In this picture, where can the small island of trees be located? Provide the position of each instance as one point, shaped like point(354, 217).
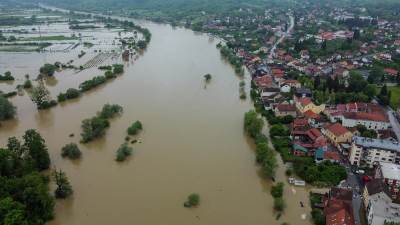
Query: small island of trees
point(71, 151)
point(7, 109)
point(135, 128)
point(123, 152)
point(95, 127)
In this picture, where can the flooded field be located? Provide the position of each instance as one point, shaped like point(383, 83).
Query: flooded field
point(193, 139)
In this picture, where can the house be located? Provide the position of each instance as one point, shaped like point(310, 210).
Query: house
point(311, 139)
point(391, 72)
point(337, 134)
point(390, 175)
point(313, 118)
point(370, 151)
point(263, 81)
point(338, 208)
point(305, 104)
point(324, 155)
point(303, 92)
point(375, 121)
point(299, 150)
point(285, 110)
point(270, 96)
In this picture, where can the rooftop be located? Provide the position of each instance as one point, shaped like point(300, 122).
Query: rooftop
point(390, 170)
point(377, 143)
point(365, 116)
point(337, 129)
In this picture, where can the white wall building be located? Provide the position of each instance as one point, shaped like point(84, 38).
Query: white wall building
point(390, 174)
point(369, 120)
point(373, 151)
point(381, 208)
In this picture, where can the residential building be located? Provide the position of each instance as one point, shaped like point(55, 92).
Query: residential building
point(370, 151)
point(305, 104)
point(374, 187)
point(390, 175)
point(380, 209)
point(337, 134)
point(375, 121)
point(285, 110)
point(338, 208)
point(325, 155)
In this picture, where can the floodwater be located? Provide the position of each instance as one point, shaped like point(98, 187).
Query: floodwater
point(193, 140)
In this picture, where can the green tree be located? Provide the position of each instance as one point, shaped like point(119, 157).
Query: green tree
point(135, 128)
point(93, 128)
point(48, 69)
point(12, 212)
point(37, 149)
point(252, 124)
point(40, 95)
point(71, 151)
point(277, 190)
point(192, 200)
point(279, 204)
point(64, 188)
point(123, 152)
point(109, 111)
point(7, 109)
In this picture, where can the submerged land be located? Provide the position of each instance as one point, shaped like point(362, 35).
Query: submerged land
point(199, 112)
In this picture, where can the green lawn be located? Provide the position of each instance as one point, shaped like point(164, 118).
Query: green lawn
point(395, 97)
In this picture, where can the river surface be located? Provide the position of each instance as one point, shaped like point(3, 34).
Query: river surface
point(193, 140)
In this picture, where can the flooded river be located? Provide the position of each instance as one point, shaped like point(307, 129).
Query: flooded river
point(193, 140)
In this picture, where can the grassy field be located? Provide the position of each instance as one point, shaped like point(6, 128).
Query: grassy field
point(395, 98)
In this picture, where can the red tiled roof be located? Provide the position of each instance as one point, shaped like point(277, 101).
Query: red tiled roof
point(310, 114)
point(305, 101)
point(286, 107)
point(365, 116)
point(390, 71)
point(337, 129)
point(264, 81)
point(331, 155)
point(277, 72)
point(314, 133)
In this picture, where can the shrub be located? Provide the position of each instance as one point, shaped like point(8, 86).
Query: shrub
point(7, 109)
point(27, 84)
point(71, 151)
point(279, 204)
point(109, 111)
point(135, 128)
point(118, 68)
point(277, 190)
point(6, 77)
point(192, 200)
point(61, 97)
point(252, 124)
point(64, 188)
point(109, 74)
point(105, 67)
point(72, 93)
point(207, 77)
point(93, 128)
point(123, 152)
point(90, 84)
point(48, 69)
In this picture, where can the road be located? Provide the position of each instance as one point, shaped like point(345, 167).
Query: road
point(272, 52)
point(394, 122)
point(354, 183)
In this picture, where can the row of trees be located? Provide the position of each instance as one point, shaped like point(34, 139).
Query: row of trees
point(264, 155)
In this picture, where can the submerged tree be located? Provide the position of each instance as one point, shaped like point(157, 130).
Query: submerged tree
point(37, 149)
point(7, 109)
point(64, 188)
point(41, 96)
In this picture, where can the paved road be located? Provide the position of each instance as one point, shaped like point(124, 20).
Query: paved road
point(272, 52)
point(354, 183)
point(394, 122)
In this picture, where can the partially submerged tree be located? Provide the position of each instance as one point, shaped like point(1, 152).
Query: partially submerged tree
point(7, 109)
point(64, 188)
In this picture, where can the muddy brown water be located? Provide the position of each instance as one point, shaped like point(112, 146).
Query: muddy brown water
point(193, 140)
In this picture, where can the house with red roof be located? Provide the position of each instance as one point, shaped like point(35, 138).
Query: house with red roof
point(310, 139)
point(285, 110)
point(391, 72)
point(264, 81)
point(375, 121)
point(337, 134)
point(338, 209)
point(305, 104)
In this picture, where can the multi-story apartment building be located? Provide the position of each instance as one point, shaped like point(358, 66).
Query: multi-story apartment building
point(370, 152)
point(390, 175)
